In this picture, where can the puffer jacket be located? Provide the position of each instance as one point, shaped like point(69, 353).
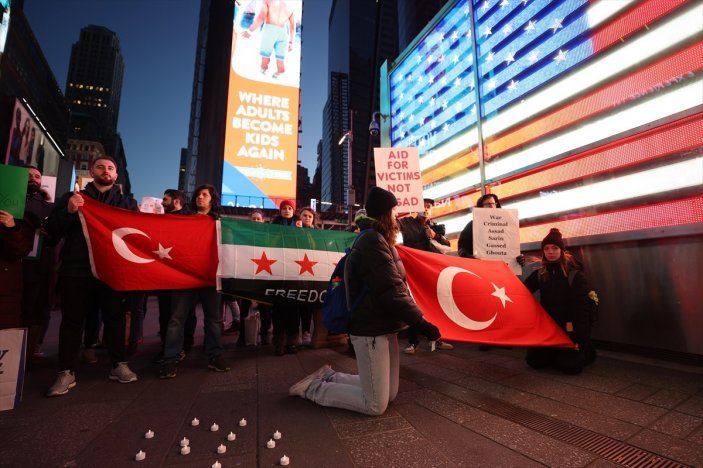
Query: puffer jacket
point(387, 305)
point(75, 261)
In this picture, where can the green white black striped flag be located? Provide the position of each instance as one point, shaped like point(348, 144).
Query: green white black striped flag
point(267, 262)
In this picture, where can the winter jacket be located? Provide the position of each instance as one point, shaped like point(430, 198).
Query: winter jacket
point(75, 261)
point(290, 222)
point(564, 303)
point(15, 243)
point(375, 269)
point(413, 230)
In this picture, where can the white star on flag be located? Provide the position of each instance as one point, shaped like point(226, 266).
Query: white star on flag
point(500, 294)
point(556, 25)
point(561, 56)
point(489, 57)
point(504, 4)
point(455, 59)
point(457, 82)
point(445, 127)
point(507, 30)
point(531, 26)
point(163, 252)
point(491, 84)
point(485, 5)
point(455, 36)
point(487, 32)
point(512, 86)
point(534, 56)
point(509, 58)
point(431, 80)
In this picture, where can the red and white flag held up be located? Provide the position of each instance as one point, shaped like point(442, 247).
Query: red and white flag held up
point(132, 251)
point(479, 301)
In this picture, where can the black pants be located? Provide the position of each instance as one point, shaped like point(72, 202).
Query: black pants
point(286, 323)
point(80, 296)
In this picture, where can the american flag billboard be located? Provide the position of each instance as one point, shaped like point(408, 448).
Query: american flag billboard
point(589, 114)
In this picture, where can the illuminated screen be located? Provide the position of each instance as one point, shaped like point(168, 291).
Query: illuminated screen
point(29, 144)
point(587, 110)
point(261, 138)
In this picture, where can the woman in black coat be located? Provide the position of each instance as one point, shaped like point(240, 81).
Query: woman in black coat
point(374, 272)
point(564, 295)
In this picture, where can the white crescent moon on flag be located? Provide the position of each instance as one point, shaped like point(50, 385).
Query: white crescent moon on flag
point(121, 247)
point(448, 305)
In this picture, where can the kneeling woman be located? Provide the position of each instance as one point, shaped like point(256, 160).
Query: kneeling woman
point(564, 295)
point(374, 270)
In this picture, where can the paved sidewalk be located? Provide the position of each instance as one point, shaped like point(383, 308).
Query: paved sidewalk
point(455, 408)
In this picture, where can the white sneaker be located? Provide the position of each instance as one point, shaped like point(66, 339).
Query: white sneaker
point(410, 349)
point(439, 344)
point(299, 388)
point(122, 373)
point(306, 338)
point(65, 381)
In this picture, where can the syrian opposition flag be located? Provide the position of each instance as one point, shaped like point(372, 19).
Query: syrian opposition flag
point(479, 301)
point(132, 251)
point(268, 262)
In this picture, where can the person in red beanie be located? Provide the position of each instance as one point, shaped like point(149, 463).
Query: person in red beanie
point(286, 214)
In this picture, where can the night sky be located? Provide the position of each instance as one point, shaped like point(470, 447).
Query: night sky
point(158, 39)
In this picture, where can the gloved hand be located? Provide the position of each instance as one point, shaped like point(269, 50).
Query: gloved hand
point(429, 330)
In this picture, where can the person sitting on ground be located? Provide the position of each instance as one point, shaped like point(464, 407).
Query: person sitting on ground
point(374, 271)
point(567, 304)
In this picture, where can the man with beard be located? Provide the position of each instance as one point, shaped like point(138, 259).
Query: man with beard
point(80, 290)
point(37, 270)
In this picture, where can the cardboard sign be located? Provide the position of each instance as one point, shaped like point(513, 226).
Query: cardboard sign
point(13, 189)
point(398, 171)
point(497, 236)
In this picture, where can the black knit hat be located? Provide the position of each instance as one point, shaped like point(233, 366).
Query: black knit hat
point(379, 202)
point(554, 238)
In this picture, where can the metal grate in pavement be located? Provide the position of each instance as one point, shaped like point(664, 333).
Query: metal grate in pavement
point(605, 447)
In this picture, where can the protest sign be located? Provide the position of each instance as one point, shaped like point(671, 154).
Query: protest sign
point(497, 236)
point(398, 171)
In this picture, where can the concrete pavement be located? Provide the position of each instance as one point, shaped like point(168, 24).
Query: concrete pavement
point(455, 408)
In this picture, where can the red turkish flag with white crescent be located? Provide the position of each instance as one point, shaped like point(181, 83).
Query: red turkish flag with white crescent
point(132, 251)
point(478, 301)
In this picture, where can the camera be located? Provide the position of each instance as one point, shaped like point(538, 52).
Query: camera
point(374, 128)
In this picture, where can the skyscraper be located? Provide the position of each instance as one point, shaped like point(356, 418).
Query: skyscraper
point(362, 34)
point(94, 85)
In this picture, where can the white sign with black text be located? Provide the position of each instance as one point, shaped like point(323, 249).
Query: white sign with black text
point(497, 236)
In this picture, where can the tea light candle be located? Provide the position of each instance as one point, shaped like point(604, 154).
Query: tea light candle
point(149, 434)
point(277, 435)
point(242, 422)
point(271, 443)
point(285, 460)
point(185, 442)
point(214, 427)
point(140, 456)
point(231, 436)
point(195, 422)
point(222, 448)
point(185, 450)
point(217, 465)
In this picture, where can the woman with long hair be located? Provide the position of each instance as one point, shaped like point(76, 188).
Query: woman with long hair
point(564, 294)
point(374, 271)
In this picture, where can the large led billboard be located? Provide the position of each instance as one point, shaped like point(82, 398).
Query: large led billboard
point(30, 144)
point(584, 115)
point(261, 138)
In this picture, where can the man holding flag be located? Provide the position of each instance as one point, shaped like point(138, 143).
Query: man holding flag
point(80, 291)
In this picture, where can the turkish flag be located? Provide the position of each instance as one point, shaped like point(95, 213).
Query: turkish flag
point(132, 251)
point(480, 301)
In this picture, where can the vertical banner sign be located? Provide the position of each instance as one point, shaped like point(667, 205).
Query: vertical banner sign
point(398, 171)
point(261, 137)
point(497, 236)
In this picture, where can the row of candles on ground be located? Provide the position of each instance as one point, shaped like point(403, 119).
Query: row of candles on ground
point(222, 448)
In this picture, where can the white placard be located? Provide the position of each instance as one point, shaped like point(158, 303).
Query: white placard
point(151, 205)
point(398, 171)
point(497, 236)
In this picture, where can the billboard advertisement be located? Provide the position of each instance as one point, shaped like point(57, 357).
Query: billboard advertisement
point(29, 143)
point(261, 137)
point(582, 115)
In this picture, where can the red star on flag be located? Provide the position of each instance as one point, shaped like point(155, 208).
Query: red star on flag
point(306, 265)
point(263, 264)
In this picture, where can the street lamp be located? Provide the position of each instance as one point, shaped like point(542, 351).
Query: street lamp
point(349, 137)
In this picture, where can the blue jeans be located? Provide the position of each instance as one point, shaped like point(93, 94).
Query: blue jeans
point(182, 301)
point(373, 388)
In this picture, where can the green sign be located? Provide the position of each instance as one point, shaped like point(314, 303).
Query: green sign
point(13, 189)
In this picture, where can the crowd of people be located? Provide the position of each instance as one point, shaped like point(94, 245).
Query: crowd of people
point(373, 266)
